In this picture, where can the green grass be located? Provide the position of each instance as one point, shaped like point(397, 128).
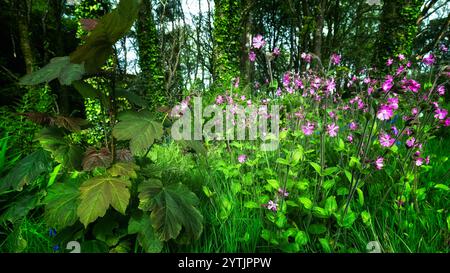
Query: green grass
point(27, 236)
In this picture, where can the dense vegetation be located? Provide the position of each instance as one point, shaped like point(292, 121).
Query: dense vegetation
point(243, 126)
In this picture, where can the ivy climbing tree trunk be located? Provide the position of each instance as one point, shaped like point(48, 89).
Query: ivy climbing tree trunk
point(398, 28)
point(24, 34)
point(227, 39)
point(149, 57)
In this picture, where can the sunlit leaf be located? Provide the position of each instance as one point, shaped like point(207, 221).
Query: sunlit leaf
point(61, 205)
point(98, 193)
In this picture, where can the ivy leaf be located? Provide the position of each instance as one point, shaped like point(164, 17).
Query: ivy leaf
point(139, 128)
point(61, 205)
point(172, 207)
point(98, 193)
point(27, 170)
point(148, 239)
point(59, 67)
point(63, 151)
point(127, 169)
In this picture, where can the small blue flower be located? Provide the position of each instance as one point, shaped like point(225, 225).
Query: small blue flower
point(52, 232)
point(56, 248)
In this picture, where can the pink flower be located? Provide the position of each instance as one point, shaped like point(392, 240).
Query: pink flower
point(401, 57)
point(258, 41)
point(252, 56)
point(447, 122)
point(388, 83)
point(306, 57)
point(414, 111)
point(236, 83)
point(276, 51)
point(379, 163)
point(385, 112)
point(443, 48)
point(419, 162)
point(332, 114)
point(400, 69)
point(428, 59)
point(410, 142)
point(335, 59)
point(440, 113)
point(249, 102)
point(271, 205)
point(219, 100)
point(394, 130)
point(308, 129)
point(427, 160)
point(278, 93)
point(386, 140)
point(353, 126)
point(331, 86)
point(283, 192)
point(411, 85)
point(441, 90)
point(393, 103)
point(389, 62)
point(242, 158)
point(332, 129)
point(350, 138)
point(243, 98)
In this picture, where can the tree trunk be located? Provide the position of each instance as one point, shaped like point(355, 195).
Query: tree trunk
point(24, 35)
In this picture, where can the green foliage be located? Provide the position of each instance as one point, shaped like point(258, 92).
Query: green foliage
point(98, 193)
point(61, 205)
point(139, 128)
point(59, 67)
point(172, 207)
point(148, 239)
point(27, 170)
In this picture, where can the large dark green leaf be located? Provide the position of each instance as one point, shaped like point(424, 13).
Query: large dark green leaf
point(133, 98)
point(110, 28)
point(107, 230)
point(142, 225)
point(86, 90)
point(98, 193)
point(61, 205)
point(59, 67)
point(19, 208)
point(27, 170)
point(139, 128)
point(172, 207)
point(64, 152)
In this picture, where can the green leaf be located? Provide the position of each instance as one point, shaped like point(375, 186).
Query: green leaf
point(442, 187)
point(27, 170)
point(53, 175)
point(109, 29)
point(59, 67)
point(94, 246)
point(98, 193)
point(64, 152)
point(273, 183)
point(131, 97)
point(196, 145)
point(306, 202)
point(107, 230)
point(172, 207)
point(61, 205)
point(142, 225)
point(331, 205)
point(139, 128)
point(348, 175)
point(320, 212)
point(316, 167)
point(127, 169)
point(448, 222)
point(86, 90)
point(18, 209)
point(325, 245)
point(365, 215)
point(317, 229)
point(330, 171)
point(252, 205)
point(301, 238)
point(360, 196)
point(235, 187)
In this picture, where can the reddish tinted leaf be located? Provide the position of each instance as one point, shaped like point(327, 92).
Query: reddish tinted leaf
point(124, 155)
point(93, 159)
point(39, 118)
point(69, 123)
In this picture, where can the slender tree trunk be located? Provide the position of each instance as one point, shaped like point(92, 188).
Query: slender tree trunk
point(318, 30)
point(24, 34)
